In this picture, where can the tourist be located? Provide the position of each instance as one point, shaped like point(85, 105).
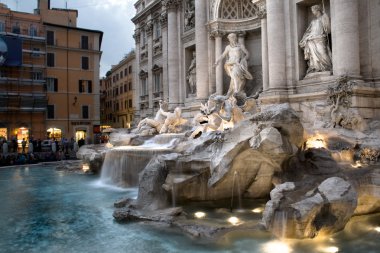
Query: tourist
point(31, 147)
point(14, 144)
point(54, 146)
point(315, 42)
point(23, 145)
point(75, 146)
point(236, 65)
point(5, 147)
point(81, 142)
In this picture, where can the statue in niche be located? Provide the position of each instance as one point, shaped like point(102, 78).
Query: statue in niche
point(315, 42)
point(236, 65)
point(192, 75)
point(189, 15)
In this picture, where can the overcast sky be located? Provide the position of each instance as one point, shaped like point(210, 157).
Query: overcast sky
point(113, 17)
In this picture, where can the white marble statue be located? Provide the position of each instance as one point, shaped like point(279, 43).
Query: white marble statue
point(315, 42)
point(192, 75)
point(173, 121)
point(236, 65)
point(219, 113)
point(158, 120)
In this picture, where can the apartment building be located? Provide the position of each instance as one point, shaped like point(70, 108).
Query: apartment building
point(118, 91)
point(54, 91)
point(23, 99)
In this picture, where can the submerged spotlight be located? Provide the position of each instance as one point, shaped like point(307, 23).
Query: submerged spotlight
point(276, 246)
point(377, 229)
point(257, 210)
point(233, 220)
point(199, 215)
point(331, 249)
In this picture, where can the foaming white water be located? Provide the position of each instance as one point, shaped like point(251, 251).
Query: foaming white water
point(122, 164)
point(100, 184)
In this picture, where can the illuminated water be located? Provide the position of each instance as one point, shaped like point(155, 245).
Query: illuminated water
point(44, 210)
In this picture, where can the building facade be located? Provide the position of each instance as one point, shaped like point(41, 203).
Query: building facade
point(54, 93)
point(117, 94)
point(174, 35)
point(23, 98)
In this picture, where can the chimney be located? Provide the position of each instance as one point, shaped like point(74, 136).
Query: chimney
point(43, 4)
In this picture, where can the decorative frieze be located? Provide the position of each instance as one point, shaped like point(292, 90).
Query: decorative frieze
point(189, 16)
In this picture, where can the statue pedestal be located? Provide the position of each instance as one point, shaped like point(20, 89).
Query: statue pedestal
point(317, 75)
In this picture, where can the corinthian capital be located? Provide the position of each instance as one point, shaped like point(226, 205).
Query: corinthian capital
point(260, 8)
point(171, 4)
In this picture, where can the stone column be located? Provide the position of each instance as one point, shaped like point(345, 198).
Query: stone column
point(164, 27)
point(211, 68)
point(276, 44)
point(173, 52)
point(219, 68)
point(136, 83)
point(262, 14)
point(149, 33)
point(345, 32)
point(201, 41)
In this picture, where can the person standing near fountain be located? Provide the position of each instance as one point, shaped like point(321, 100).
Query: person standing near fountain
point(315, 42)
point(236, 65)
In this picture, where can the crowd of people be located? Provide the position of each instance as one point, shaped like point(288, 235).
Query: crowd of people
point(34, 151)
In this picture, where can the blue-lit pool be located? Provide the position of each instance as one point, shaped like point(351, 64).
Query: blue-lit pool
point(45, 210)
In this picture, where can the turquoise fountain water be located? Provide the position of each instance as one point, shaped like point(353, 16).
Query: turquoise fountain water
point(45, 210)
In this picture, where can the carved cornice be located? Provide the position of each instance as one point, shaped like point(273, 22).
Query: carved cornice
point(171, 4)
point(137, 35)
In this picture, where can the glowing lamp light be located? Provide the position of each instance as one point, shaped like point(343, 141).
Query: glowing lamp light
point(85, 167)
point(315, 143)
point(357, 164)
point(257, 210)
point(276, 246)
point(377, 229)
point(199, 215)
point(233, 220)
point(331, 249)
point(109, 145)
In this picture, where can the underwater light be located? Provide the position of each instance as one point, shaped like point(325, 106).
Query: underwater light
point(331, 249)
point(233, 220)
point(377, 229)
point(276, 246)
point(109, 145)
point(199, 215)
point(257, 210)
point(85, 167)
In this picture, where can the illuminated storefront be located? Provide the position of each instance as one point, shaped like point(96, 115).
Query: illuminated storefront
point(54, 133)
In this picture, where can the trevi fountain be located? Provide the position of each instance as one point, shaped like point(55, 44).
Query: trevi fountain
point(289, 153)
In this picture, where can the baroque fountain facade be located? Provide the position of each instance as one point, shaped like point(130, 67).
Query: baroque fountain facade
point(278, 99)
